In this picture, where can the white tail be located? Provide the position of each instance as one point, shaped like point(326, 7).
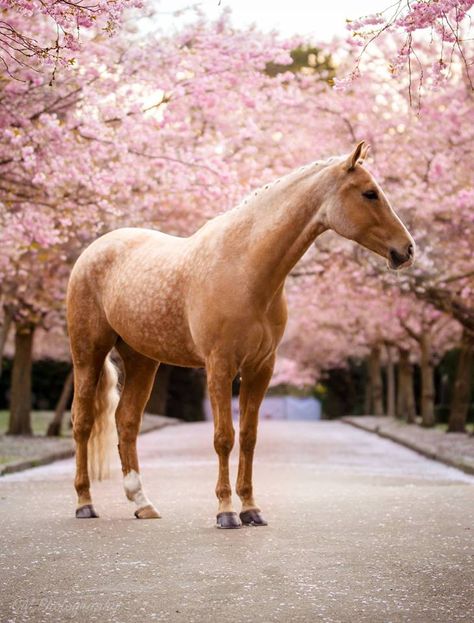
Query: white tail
point(103, 437)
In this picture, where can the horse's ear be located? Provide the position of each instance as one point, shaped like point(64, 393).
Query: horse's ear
point(358, 154)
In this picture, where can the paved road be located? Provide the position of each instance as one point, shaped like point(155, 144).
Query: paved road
point(361, 530)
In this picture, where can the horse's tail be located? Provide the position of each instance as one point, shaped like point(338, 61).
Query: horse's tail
point(103, 437)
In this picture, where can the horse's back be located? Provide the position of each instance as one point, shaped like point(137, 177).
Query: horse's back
point(113, 251)
point(123, 242)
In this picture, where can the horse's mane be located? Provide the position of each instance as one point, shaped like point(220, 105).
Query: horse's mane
point(315, 165)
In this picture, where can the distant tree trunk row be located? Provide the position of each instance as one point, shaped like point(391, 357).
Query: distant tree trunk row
point(171, 384)
point(400, 393)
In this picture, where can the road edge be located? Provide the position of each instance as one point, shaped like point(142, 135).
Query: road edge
point(416, 447)
point(21, 466)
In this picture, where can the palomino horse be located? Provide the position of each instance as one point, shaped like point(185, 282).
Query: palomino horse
point(215, 299)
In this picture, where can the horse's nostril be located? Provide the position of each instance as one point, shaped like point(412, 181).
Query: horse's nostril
point(396, 258)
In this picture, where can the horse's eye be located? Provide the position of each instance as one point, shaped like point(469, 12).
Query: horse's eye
point(371, 194)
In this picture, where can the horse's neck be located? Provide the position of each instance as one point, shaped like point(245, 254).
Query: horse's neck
point(280, 224)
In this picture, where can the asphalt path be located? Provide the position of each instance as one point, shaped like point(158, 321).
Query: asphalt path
point(360, 530)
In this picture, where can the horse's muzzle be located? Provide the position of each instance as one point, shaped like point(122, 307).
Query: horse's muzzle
point(397, 259)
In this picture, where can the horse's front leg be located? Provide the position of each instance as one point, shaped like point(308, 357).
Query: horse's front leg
point(219, 382)
point(252, 391)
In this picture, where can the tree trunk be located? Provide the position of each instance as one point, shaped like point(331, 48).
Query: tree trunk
point(401, 380)
point(462, 386)
point(411, 402)
point(405, 397)
point(390, 383)
point(427, 382)
point(54, 428)
point(367, 390)
point(376, 381)
point(4, 331)
point(20, 400)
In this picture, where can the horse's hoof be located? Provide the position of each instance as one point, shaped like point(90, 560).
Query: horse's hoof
point(252, 517)
point(228, 520)
point(86, 512)
point(147, 512)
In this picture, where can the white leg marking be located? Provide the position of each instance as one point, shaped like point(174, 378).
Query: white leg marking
point(133, 489)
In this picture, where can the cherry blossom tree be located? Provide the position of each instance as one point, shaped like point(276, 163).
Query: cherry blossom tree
point(404, 29)
point(46, 34)
point(174, 129)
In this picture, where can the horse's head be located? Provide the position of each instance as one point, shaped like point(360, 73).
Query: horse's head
point(355, 207)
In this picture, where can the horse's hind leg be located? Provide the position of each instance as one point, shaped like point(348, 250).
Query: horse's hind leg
point(139, 376)
point(88, 358)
